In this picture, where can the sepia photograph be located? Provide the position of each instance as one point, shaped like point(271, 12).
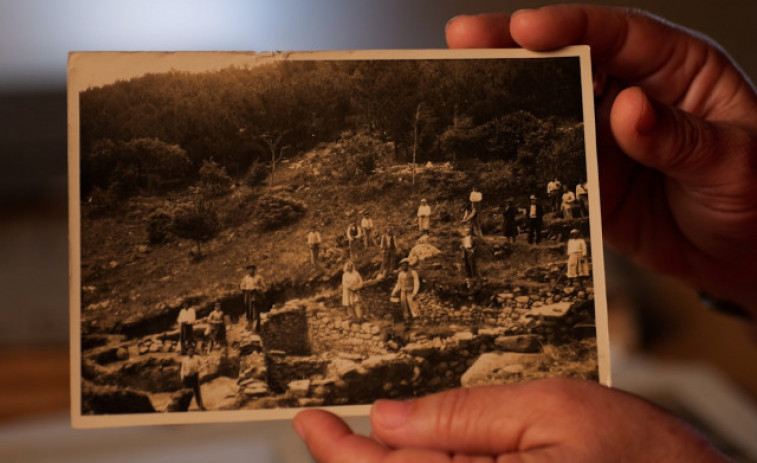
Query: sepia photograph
point(253, 234)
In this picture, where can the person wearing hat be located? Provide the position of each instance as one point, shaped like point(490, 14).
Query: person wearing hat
point(554, 190)
point(534, 220)
point(577, 254)
point(407, 286)
point(186, 320)
point(351, 284)
point(509, 224)
point(366, 223)
point(424, 217)
point(253, 287)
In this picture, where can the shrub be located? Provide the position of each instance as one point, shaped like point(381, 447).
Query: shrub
point(214, 181)
point(159, 226)
point(278, 208)
point(257, 174)
point(198, 222)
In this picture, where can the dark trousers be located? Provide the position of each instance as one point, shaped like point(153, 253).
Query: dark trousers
point(387, 261)
point(314, 254)
point(193, 382)
point(534, 230)
point(186, 336)
point(252, 303)
point(469, 258)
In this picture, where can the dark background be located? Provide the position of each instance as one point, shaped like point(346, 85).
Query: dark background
point(35, 36)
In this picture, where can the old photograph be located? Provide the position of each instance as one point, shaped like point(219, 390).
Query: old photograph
point(252, 234)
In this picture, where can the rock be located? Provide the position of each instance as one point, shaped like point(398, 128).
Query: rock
point(569, 290)
point(526, 343)
point(107, 400)
point(523, 299)
point(256, 389)
point(501, 368)
point(463, 336)
point(379, 360)
point(299, 389)
point(122, 353)
point(422, 251)
point(349, 356)
point(556, 310)
point(344, 369)
point(180, 400)
point(310, 402)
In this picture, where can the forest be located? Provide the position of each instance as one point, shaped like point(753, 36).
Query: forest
point(155, 133)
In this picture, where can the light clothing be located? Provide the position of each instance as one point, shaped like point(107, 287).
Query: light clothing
point(424, 217)
point(468, 242)
point(408, 286)
point(568, 198)
point(366, 223)
point(187, 316)
point(252, 283)
point(314, 238)
point(476, 196)
point(351, 283)
point(553, 186)
point(533, 212)
point(190, 366)
point(577, 251)
point(580, 190)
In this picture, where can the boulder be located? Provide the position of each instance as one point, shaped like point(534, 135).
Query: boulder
point(180, 400)
point(525, 343)
point(299, 388)
point(501, 368)
point(423, 251)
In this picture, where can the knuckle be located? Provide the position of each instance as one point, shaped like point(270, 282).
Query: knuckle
point(452, 416)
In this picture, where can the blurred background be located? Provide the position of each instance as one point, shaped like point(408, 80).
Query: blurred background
point(665, 345)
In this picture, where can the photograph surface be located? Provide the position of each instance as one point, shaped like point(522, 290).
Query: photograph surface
point(252, 234)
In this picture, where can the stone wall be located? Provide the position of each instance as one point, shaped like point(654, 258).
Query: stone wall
point(286, 329)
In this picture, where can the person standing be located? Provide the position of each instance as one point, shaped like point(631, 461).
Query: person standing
point(353, 236)
point(388, 245)
point(424, 217)
point(468, 246)
point(366, 224)
point(582, 195)
point(351, 284)
point(554, 191)
point(190, 375)
point(577, 255)
point(253, 288)
point(186, 320)
point(568, 201)
point(474, 216)
point(509, 225)
point(534, 220)
point(408, 285)
point(216, 327)
point(314, 243)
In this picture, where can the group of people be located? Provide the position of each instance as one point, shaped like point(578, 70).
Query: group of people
point(569, 204)
point(689, 135)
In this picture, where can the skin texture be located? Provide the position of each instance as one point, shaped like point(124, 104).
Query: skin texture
point(677, 139)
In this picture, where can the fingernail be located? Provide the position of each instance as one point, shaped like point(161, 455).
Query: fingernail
point(522, 10)
point(648, 116)
point(452, 20)
point(297, 426)
point(391, 413)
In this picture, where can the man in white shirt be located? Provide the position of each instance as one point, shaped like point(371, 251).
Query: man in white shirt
point(186, 322)
point(408, 285)
point(554, 189)
point(582, 195)
point(366, 223)
point(190, 375)
point(568, 201)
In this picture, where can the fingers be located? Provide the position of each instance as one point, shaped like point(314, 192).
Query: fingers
point(679, 144)
point(480, 31)
point(330, 440)
point(673, 65)
point(486, 420)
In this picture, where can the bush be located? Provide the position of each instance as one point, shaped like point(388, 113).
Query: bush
point(278, 208)
point(198, 222)
point(214, 181)
point(256, 175)
point(159, 227)
point(358, 155)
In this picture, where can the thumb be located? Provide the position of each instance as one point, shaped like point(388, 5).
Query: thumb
point(685, 147)
point(464, 420)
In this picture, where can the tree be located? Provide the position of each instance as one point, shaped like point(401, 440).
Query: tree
point(198, 222)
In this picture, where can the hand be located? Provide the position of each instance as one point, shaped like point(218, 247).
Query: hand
point(545, 421)
point(677, 136)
